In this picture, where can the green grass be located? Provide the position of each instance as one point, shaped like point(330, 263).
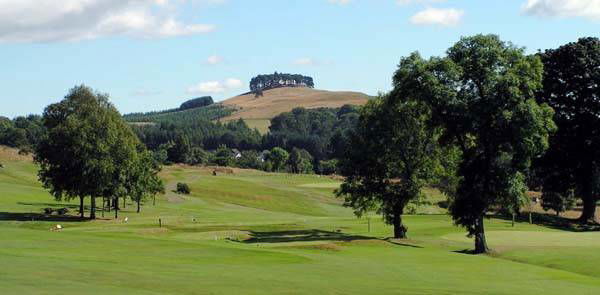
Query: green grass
point(257, 233)
point(261, 124)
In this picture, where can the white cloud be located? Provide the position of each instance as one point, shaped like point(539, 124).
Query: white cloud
point(339, 2)
point(212, 87)
point(435, 16)
point(406, 2)
point(589, 9)
point(214, 60)
point(71, 20)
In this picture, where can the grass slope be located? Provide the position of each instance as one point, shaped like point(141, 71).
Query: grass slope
point(257, 233)
point(257, 111)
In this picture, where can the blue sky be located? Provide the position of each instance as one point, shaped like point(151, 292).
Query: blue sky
point(155, 54)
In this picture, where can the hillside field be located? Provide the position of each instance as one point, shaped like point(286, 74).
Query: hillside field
point(257, 111)
point(251, 232)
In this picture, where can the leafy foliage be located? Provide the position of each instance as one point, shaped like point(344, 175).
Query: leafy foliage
point(483, 95)
point(22, 132)
point(322, 132)
point(90, 151)
point(276, 80)
point(572, 87)
point(391, 156)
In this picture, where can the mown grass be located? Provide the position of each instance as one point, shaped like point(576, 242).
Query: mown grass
point(259, 233)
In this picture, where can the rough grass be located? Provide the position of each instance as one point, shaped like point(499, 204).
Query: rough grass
point(280, 100)
point(257, 233)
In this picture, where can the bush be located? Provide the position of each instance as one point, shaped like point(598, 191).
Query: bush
point(183, 188)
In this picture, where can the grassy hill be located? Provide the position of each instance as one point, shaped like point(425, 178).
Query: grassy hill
point(257, 111)
point(249, 232)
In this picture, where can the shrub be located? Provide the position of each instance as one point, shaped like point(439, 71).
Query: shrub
point(183, 188)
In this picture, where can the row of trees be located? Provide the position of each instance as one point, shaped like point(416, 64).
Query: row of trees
point(90, 152)
point(276, 80)
point(474, 122)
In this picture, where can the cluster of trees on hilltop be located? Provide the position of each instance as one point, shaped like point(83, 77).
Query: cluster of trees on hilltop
point(276, 80)
point(481, 123)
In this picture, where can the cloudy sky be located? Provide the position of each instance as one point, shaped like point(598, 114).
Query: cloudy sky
point(154, 54)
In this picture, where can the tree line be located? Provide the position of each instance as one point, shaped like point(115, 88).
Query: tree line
point(276, 80)
point(485, 123)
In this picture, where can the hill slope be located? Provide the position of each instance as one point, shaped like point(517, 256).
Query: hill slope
point(276, 101)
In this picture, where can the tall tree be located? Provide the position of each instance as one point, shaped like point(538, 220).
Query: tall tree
point(483, 95)
point(572, 87)
point(391, 156)
point(87, 147)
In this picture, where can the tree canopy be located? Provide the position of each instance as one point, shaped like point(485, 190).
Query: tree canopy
point(483, 96)
point(572, 88)
point(390, 157)
point(276, 80)
point(89, 150)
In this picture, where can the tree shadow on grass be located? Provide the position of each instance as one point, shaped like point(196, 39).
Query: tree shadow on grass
point(11, 216)
point(51, 205)
point(310, 235)
point(554, 222)
point(402, 243)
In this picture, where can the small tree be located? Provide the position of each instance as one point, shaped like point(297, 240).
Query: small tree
point(300, 161)
point(224, 157)
point(328, 167)
point(143, 180)
point(558, 202)
point(391, 157)
point(278, 158)
point(250, 160)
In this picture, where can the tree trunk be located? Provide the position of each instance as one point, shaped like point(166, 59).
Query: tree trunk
point(399, 228)
point(589, 209)
point(138, 206)
point(116, 203)
point(81, 207)
point(93, 209)
point(481, 246)
point(124, 200)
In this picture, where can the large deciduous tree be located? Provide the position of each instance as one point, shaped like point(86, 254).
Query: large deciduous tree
point(88, 149)
point(390, 157)
point(572, 88)
point(483, 95)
